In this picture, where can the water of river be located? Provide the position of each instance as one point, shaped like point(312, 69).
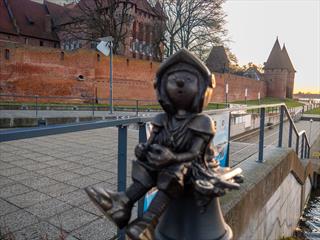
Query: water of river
point(309, 225)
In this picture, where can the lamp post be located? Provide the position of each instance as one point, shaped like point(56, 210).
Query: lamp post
point(106, 46)
point(111, 76)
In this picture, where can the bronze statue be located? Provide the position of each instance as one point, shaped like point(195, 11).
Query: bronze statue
point(177, 158)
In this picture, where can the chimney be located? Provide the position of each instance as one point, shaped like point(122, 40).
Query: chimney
point(47, 23)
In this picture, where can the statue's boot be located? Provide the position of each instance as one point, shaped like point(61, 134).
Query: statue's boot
point(143, 228)
point(115, 206)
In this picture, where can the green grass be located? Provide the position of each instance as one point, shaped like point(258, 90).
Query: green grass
point(268, 100)
point(313, 111)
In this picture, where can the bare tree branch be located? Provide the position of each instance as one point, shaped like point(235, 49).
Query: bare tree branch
point(194, 24)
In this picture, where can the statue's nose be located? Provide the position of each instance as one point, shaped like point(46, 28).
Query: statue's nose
point(180, 83)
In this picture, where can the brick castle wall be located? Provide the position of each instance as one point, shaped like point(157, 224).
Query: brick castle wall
point(52, 72)
point(276, 82)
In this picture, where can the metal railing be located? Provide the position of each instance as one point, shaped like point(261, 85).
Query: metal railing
point(89, 103)
point(302, 144)
point(94, 104)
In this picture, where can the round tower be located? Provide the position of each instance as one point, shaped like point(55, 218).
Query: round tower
point(276, 73)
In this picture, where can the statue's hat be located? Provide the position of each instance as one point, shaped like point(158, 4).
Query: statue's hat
point(183, 60)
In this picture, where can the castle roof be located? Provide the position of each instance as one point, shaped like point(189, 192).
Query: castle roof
point(275, 59)
point(287, 60)
point(6, 25)
point(218, 60)
point(26, 18)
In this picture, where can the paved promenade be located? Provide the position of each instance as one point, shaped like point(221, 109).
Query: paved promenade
point(42, 181)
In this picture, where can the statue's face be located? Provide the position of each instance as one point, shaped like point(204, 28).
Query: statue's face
point(182, 88)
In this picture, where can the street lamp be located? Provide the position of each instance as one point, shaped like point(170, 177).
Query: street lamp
point(106, 46)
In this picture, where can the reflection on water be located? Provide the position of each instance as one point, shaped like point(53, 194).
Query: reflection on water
point(309, 224)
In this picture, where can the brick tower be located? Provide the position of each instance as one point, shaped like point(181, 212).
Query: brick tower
point(291, 70)
point(276, 73)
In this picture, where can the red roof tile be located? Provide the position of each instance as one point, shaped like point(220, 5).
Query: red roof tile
point(6, 25)
point(31, 17)
point(287, 60)
point(275, 59)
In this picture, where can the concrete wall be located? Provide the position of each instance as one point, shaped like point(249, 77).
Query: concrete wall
point(47, 71)
point(270, 201)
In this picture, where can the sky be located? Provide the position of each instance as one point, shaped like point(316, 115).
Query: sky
point(254, 25)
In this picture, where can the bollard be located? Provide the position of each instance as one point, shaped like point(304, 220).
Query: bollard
point(137, 108)
point(37, 106)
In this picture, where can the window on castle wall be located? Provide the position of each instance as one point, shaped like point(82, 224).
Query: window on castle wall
point(41, 43)
point(62, 56)
point(7, 54)
point(98, 57)
point(25, 40)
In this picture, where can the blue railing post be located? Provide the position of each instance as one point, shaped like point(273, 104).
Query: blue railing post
point(305, 149)
point(290, 135)
point(297, 145)
point(261, 134)
point(302, 147)
point(142, 139)
point(122, 165)
point(281, 126)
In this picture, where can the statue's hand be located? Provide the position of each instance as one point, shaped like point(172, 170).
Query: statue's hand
point(141, 151)
point(225, 179)
point(160, 156)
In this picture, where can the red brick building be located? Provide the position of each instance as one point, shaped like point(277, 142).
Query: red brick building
point(278, 72)
point(26, 22)
point(48, 24)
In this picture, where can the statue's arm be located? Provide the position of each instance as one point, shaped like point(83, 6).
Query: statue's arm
point(160, 156)
point(142, 148)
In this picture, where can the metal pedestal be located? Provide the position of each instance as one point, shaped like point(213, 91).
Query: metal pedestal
point(183, 221)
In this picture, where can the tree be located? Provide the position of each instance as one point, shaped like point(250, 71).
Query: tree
point(93, 19)
point(193, 24)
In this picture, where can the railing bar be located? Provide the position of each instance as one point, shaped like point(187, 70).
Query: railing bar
point(261, 135)
point(122, 164)
point(302, 146)
point(9, 135)
point(142, 139)
point(281, 126)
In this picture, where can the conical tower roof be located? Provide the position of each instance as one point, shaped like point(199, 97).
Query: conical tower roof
point(287, 60)
point(218, 60)
point(275, 59)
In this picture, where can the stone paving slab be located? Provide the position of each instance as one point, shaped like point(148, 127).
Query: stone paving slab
point(42, 181)
point(28, 199)
point(72, 219)
point(40, 231)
